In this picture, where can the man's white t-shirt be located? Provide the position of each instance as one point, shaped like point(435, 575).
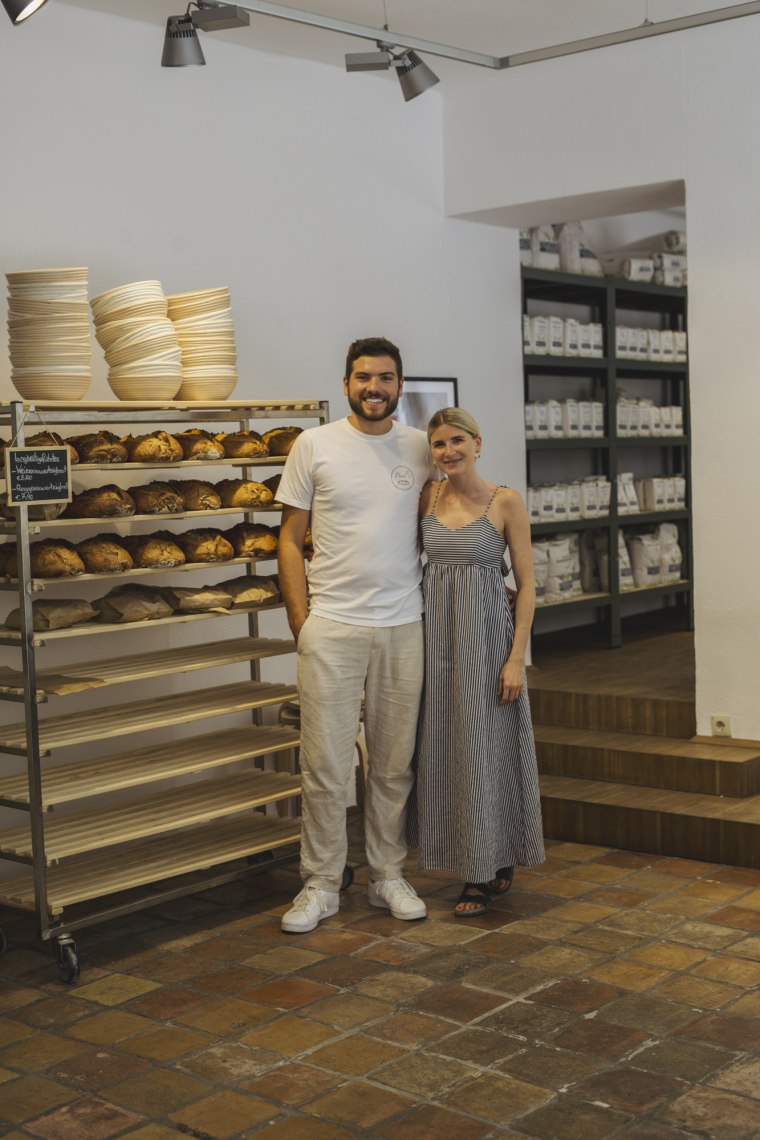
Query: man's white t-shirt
point(363, 493)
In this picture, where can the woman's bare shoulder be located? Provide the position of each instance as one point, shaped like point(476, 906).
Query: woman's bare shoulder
point(427, 496)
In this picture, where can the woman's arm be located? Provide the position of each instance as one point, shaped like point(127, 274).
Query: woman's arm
point(516, 530)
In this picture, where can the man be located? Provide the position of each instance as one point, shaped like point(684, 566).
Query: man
point(357, 482)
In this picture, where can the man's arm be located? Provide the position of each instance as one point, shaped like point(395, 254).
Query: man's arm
point(291, 567)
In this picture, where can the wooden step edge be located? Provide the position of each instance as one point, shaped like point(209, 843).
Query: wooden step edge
point(642, 798)
point(727, 742)
point(677, 746)
point(85, 778)
point(198, 849)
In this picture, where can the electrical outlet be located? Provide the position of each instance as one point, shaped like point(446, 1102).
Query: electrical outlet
point(720, 725)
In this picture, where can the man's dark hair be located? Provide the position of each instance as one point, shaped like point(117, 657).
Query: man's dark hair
point(373, 346)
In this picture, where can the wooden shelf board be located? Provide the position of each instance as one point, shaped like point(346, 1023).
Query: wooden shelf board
point(39, 584)
point(138, 766)
point(138, 666)
point(144, 715)
point(158, 814)
point(122, 868)
point(158, 520)
point(578, 599)
point(14, 637)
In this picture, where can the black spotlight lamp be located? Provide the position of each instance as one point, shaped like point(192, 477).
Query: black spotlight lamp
point(20, 10)
point(414, 76)
point(181, 45)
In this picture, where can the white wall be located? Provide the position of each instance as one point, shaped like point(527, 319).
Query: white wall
point(315, 195)
point(650, 114)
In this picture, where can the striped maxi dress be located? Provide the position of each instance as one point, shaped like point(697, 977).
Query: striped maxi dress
point(476, 806)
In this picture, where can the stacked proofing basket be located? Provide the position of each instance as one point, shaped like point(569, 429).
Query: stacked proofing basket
point(49, 333)
point(139, 340)
point(206, 335)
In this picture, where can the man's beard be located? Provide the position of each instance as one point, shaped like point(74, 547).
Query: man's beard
point(379, 413)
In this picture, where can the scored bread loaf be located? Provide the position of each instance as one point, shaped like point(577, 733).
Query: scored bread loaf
point(157, 498)
point(252, 540)
point(243, 493)
point(6, 550)
point(206, 545)
point(51, 558)
point(105, 554)
point(242, 444)
point(51, 439)
point(273, 484)
point(149, 550)
point(279, 440)
point(99, 447)
point(156, 447)
point(199, 444)
point(197, 495)
point(101, 503)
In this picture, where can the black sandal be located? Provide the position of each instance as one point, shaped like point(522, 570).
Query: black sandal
point(477, 893)
point(505, 873)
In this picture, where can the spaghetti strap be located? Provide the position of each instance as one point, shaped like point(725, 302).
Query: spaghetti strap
point(437, 493)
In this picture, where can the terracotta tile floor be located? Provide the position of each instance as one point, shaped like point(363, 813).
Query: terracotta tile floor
point(609, 994)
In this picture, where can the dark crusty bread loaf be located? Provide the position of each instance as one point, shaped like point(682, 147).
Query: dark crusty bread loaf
point(99, 447)
point(243, 493)
point(279, 440)
point(159, 549)
point(199, 444)
point(197, 494)
point(104, 554)
point(157, 498)
point(101, 503)
point(242, 444)
point(252, 540)
point(205, 545)
point(51, 558)
point(157, 447)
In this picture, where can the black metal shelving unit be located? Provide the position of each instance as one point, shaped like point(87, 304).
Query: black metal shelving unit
point(604, 300)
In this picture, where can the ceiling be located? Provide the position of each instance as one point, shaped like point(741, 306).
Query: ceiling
point(494, 27)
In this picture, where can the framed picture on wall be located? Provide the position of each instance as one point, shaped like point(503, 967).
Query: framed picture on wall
point(424, 395)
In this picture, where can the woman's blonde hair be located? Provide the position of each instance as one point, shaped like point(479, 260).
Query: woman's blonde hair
point(453, 417)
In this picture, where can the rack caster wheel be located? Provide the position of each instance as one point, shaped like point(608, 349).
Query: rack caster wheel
point(348, 877)
point(3, 941)
point(67, 958)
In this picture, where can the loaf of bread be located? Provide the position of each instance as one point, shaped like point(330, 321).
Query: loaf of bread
point(157, 447)
point(308, 544)
point(59, 614)
point(51, 439)
point(199, 444)
point(197, 495)
point(242, 445)
point(36, 512)
point(104, 554)
point(132, 602)
point(99, 447)
point(188, 599)
point(150, 550)
point(7, 549)
point(109, 502)
point(253, 589)
point(207, 545)
point(252, 540)
point(156, 498)
point(279, 440)
point(273, 484)
point(51, 558)
point(243, 493)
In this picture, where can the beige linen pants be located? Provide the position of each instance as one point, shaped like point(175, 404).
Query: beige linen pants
point(337, 663)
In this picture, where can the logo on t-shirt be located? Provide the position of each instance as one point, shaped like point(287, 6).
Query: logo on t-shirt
point(402, 478)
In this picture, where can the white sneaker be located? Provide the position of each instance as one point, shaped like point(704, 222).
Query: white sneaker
point(398, 897)
point(309, 907)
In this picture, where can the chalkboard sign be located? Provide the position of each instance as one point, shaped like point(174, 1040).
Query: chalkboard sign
point(38, 475)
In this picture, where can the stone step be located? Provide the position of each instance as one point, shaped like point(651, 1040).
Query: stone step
point(652, 761)
point(615, 711)
point(659, 821)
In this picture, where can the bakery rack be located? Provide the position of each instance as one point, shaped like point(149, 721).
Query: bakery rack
point(157, 818)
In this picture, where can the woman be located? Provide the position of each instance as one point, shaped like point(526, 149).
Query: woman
point(477, 810)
